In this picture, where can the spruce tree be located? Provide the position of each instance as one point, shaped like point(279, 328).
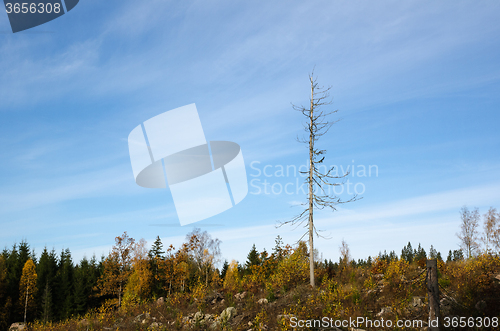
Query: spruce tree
point(82, 286)
point(64, 290)
point(432, 253)
point(46, 270)
point(225, 267)
point(420, 253)
point(407, 253)
point(156, 255)
point(278, 248)
point(253, 258)
point(450, 257)
point(46, 307)
point(156, 250)
point(3, 291)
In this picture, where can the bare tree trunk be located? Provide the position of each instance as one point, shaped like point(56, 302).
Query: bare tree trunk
point(311, 169)
point(120, 295)
point(26, 304)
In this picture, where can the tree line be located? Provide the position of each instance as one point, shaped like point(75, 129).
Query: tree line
point(52, 287)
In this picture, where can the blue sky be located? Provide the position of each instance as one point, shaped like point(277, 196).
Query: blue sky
point(416, 84)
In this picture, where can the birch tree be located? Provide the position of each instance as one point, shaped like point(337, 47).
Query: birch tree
point(27, 286)
point(491, 234)
point(117, 267)
point(204, 250)
point(319, 182)
point(468, 235)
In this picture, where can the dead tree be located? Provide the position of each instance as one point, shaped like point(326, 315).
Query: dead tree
point(318, 196)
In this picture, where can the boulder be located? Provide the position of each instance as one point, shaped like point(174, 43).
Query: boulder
point(262, 301)
point(17, 326)
point(226, 315)
point(198, 317)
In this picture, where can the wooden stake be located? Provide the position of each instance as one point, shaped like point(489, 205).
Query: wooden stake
point(433, 295)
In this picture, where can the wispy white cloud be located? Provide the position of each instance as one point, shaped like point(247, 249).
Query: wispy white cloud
point(22, 196)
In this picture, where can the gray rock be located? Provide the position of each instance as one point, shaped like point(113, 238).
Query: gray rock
point(17, 326)
point(198, 317)
point(226, 315)
point(142, 318)
point(417, 302)
point(384, 311)
point(155, 325)
point(214, 298)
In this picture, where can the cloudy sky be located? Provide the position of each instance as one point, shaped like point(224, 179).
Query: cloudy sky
point(416, 84)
